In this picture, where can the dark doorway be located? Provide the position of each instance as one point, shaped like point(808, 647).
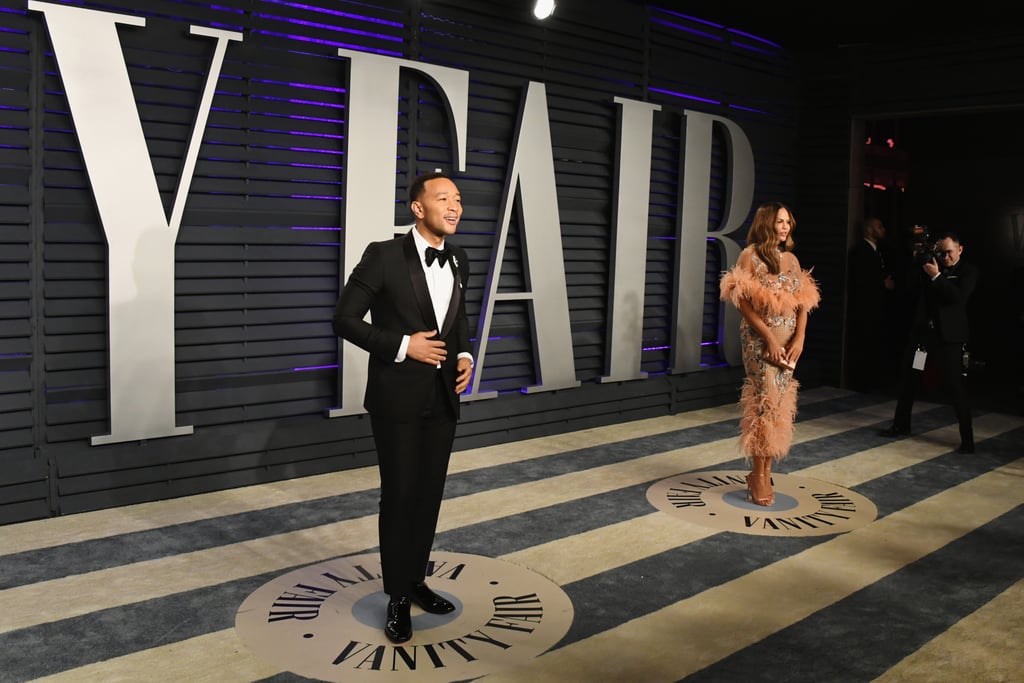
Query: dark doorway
point(962, 172)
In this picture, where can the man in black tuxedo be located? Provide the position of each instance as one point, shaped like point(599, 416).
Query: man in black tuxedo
point(420, 361)
point(940, 332)
point(869, 287)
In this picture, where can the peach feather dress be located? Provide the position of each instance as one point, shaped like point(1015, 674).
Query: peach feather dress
point(768, 398)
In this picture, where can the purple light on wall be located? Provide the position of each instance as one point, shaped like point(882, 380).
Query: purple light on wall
point(229, 10)
point(226, 27)
point(319, 119)
point(331, 167)
point(300, 133)
point(303, 149)
point(332, 43)
point(331, 27)
point(316, 367)
point(305, 86)
point(750, 109)
point(336, 13)
point(315, 150)
point(711, 36)
point(753, 48)
point(753, 37)
point(683, 95)
point(292, 100)
point(702, 34)
point(689, 18)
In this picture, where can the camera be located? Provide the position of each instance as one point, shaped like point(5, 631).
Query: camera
point(924, 247)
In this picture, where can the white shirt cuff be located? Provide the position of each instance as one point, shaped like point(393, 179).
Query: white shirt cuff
point(403, 348)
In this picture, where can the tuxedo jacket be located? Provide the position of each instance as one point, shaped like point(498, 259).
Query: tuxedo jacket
point(866, 285)
point(943, 301)
point(389, 283)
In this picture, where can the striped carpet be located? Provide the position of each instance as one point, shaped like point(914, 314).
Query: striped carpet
point(932, 590)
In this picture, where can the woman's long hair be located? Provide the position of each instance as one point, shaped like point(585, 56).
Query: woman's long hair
point(764, 238)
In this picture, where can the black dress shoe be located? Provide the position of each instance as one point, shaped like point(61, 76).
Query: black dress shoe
point(965, 448)
point(430, 601)
point(398, 626)
point(894, 431)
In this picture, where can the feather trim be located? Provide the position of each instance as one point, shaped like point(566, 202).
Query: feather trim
point(807, 295)
point(766, 428)
point(738, 284)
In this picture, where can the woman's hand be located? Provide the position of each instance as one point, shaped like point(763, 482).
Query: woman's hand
point(774, 353)
point(795, 350)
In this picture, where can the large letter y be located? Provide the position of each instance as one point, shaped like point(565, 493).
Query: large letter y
point(140, 239)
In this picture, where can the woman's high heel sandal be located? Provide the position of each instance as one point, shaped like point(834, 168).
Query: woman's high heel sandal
point(760, 482)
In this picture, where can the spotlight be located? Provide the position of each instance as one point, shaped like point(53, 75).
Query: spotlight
point(543, 8)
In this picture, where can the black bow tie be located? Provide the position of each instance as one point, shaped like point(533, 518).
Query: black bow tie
point(443, 256)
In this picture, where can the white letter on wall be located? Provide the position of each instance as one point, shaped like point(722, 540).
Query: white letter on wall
point(531, 175)
point(693, 234)
point(629, 247)
point(370, 173)
point(140, 239)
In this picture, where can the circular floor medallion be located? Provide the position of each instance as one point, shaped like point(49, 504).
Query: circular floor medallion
point(325, 621)
point(803, 506)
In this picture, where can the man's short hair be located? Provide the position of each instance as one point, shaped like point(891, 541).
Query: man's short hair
point(416, 188)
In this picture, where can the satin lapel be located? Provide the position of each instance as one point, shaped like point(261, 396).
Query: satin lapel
point(453, 303)
point(419, 282)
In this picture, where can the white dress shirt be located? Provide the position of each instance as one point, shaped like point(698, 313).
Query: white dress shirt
point(440, 282)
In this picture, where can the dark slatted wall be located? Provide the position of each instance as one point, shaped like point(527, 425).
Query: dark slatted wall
point(257, 256)
point(23, 473)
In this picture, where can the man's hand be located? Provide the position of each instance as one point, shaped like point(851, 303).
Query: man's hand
point(465, 372)
point(426, 350)
point(931, 268)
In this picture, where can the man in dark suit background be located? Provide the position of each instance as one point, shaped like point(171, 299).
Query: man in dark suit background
point(420, 361)
point(939, 331)
point(869, 288)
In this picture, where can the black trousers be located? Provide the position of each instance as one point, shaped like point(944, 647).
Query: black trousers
point(412, 457)
point(866, 359)
point(948, 359)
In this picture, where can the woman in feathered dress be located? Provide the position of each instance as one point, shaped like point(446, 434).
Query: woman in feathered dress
point(774, 297)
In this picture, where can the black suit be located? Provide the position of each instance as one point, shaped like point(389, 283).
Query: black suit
point(866, 308)
point(413, 406)
point(940, 327)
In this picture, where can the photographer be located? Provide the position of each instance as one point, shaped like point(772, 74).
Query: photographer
point(939, 332)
